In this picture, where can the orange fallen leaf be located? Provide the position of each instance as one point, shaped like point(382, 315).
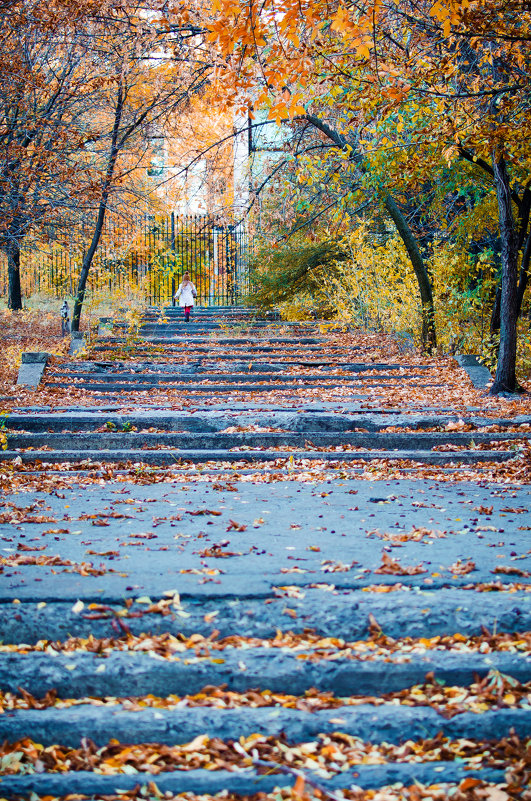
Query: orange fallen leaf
point(235, 526)
point(298, 788)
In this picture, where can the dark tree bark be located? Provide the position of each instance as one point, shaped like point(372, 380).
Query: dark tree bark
point(524, 274)
point(505, 379)
point(428, 334)
point(524, 210)
point(102, 210)
point(495, 316)
point(14, 294)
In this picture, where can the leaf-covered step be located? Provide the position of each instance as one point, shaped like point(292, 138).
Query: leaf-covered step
point(329, 753)
point(172, 456)
point(247, 781)
point(348, 613)
point(494, 691)
point(129, 722)
point(304, 421)
point(307, 440)
point(80, 673)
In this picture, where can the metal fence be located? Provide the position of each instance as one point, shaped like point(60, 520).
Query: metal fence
point(147, 255)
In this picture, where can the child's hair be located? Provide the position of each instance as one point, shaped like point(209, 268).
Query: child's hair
point(186, 276)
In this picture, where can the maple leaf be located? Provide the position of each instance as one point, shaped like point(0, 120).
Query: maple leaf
point(460, 568)
point(235, 526)
point(392, 566)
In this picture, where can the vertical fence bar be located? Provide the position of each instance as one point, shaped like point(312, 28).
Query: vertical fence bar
point(150, 251)
point(174, 262)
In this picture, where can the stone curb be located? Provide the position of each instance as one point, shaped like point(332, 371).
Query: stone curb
point(479, 375)
point(372, 723)
point(31, 357)
point(294, 344)
point(246, 782)
point(204, 345)
point(205, 324)
point(168, 457)
point(218, 440)
point(212, 420)
point(422, 613)
point(188, 586)
point(197, 376)
point(32, 369)
point(81, 674)
point(215, 359)
point(78, 343)
point(201, 389)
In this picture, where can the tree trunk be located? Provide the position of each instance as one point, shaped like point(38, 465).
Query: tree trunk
point(495, 314)
point(523, 223)
point(102, 209)
point(505, 379)
point(524, 274)
point(85, 268)
point(14, 296)
point(428, 334)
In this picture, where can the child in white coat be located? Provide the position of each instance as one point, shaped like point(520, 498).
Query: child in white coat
point(186, 295)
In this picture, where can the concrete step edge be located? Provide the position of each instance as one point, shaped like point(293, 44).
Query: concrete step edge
point(165, 457)
point(80, 674)
point(247, 782)
point(372, 723)
point(422, 612)
point(219, 439)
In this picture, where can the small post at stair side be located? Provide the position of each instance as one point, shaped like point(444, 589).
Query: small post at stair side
point(65, 319)
point(477, 372)
point(77, 343)
point(31, 369)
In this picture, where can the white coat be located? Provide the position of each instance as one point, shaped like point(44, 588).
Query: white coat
point(185, 294)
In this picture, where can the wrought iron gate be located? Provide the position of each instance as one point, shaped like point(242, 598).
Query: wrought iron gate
point(148, 255)
point(216, 256)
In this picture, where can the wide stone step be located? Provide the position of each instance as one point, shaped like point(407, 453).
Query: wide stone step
point(195, 375)
point(177, 318)
point(214, 313)
point(78, 674)
point(347, 613)
point(371, 723)
point(83, 419)
point(237, 345)
point(201, 329)
point(214, 307)
point(263, 342)
point(173, 456)
point(220, 440)
point(211, 365)
point(245, 782)
point(204, 389)
point(176, 312)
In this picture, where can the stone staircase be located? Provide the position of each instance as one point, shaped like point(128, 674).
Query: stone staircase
point(256, 397)
point(166, 438)
point(196, 633)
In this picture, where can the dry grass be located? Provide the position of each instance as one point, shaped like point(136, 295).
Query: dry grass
point(28, 330)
